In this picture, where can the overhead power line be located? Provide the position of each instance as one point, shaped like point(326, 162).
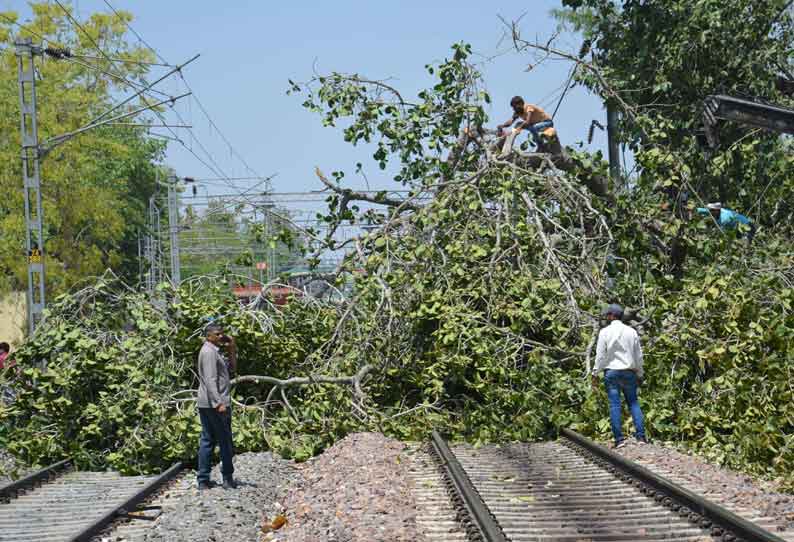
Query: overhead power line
point(125, 61)
point(564, 92)
point(120, 78)
point(25, 28)
point(96, 46)
point(134, 85)
point(219, 179)
point(203, 109)
point(120, 18)
point(215, 126)
point(63, 52)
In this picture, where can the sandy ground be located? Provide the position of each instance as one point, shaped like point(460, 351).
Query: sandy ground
point(12, 318)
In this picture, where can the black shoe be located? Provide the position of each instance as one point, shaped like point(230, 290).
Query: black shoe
point(205, 485)
point(229, 483)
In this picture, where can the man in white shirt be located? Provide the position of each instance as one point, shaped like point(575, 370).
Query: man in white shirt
point(619, 355)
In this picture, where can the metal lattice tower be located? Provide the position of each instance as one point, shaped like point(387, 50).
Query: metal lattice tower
point(152, 247)
point(173, 230)
point(31, 173)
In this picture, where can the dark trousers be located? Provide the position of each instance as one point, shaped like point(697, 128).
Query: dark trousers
point(216, 429)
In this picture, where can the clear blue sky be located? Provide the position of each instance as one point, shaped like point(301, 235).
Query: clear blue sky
point(250, 48)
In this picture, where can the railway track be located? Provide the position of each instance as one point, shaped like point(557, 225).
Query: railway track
point(573, 490)
point(61, 504)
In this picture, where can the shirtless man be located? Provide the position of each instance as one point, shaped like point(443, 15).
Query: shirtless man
point(536, 121)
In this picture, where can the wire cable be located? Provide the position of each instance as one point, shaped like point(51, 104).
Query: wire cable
point(96, 46)
point(564, 92)
point(204, 111)
point(26, 29)
point(118, 15)
point(76, 23)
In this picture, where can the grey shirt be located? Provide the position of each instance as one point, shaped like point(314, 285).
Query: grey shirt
point(213, 372)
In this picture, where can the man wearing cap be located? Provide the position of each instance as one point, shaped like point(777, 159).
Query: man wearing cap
point(619, 355)
point(726, 218)
point(215, 405)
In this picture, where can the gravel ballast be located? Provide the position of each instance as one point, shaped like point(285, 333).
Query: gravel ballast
point(358, 490)
point(225, 515)
point(753, 499)
point(11, 470)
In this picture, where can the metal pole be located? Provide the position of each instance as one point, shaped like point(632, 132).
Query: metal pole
point(173, 226)
point(31, 174)
point(612, 136)
point(158, 248)
point(153, 239)
point(271, 256)
point(177, 259)
point(150, 253)
point(158, 270)
point(140, 259)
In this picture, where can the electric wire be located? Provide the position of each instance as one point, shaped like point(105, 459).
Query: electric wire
point(96, 46)
point(204, 111)
point(215, 126)
point(134, 85)
point(140, 38)
point(564, 92)
point(215, 170)
point(124, 61)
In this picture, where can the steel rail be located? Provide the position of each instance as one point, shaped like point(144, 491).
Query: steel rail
point(666, 491)
point(10, 490)
point(481, 516)
point(127, 506)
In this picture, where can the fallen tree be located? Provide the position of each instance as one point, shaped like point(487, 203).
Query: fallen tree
point(474, 307)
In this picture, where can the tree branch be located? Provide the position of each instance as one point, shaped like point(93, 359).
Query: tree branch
point(351, 195)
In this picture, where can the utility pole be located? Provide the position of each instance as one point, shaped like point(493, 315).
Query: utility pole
point(270, 253)
point(612, 137)
point(32, 153)
point(153, 246)
point(31, 175)
point(140, 259)
point(173, 227)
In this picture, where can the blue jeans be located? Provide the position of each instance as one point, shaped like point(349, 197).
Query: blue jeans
point(625, 381)
point(216, 429)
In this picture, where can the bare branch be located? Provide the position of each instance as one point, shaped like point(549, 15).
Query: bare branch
point(351, 195)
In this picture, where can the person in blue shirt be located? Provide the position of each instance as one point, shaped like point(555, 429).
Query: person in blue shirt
point(727, 218)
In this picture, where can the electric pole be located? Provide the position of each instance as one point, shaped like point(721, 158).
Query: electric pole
point(140, 259)
point(31, 175)
point(270, 253)
point(153, 245)
point(173, 227)
point(32, 153)
point(153, 277)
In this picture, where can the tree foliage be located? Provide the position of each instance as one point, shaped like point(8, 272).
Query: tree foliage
point(95, 187)
point(658, 61)
point(484, 302)
point(119, 385)
point(474, 307)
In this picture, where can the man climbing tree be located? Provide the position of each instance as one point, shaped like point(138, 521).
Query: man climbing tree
point(534, 119)
point(727, 218)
